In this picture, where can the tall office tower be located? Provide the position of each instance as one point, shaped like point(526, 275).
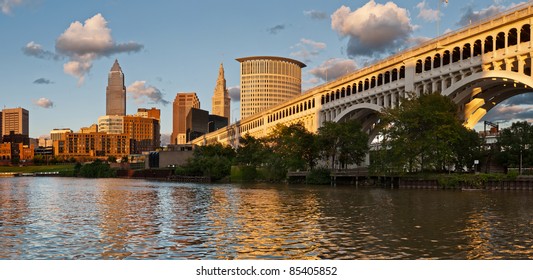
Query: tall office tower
point(115, 92)
point(15, 120)
point(221, 99)
point(267, 81)
point(181, 107)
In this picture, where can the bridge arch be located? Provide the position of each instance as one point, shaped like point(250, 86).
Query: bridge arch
point(366, 113)
point(480, 92)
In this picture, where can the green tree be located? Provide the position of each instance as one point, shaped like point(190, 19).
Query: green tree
point(425, 134)
point(111, 159)
point(96, 169)
point(251, 152)
point(344, 142)
point(213, 161)
point(296, 146)
point(516, 145)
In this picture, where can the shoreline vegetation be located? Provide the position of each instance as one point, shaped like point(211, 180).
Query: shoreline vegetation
point(421, 143)
point(450, 181)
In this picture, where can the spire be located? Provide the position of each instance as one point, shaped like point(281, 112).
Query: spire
point(221, 71)
point(116, 67)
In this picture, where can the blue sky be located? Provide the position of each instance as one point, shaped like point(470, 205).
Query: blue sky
point(55, 55)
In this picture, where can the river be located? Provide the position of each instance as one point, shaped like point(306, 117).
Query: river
point(68, 218)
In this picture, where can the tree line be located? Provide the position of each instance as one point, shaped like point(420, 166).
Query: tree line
point(424, 134)
point(287, 148)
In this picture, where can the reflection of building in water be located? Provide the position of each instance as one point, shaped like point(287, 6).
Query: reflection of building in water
point(264, 224)
point(13, 221)
point(128, 221)
point(479, 236)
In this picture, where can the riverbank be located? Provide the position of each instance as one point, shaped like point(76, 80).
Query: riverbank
point(37, 170)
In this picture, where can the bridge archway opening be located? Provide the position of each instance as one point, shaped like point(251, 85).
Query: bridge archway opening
point(525, 33)
point(479, 93)
point(366, 113)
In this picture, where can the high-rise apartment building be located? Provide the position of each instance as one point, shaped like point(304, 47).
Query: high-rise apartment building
point(181, 107)
point(221, 100)
point(116, 92)
point(267, 81)
point(15, 120)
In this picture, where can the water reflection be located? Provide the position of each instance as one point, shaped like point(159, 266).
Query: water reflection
point(57, 218)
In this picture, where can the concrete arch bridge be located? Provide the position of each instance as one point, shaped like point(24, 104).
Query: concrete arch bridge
point(478, 67)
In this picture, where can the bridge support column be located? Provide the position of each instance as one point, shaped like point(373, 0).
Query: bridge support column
point(497, 65)
point(521, 63)
point(387, 101)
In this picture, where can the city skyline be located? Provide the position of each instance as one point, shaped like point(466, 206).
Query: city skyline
point(50, 70)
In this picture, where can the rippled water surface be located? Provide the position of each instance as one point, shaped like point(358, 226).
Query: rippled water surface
point(65, 218)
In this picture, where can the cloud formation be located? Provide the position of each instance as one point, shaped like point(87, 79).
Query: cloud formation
point(7, 5)
point(36, 50)
point(427, 13)
point(44, 103)
point(235, 93)
point(276, 29)
point(315, 14)
point(83, 43)
point(141, 92)
point(308, 49)
point(373, 29)
point(514, 109)
point(42, 81)
point(470, 16)
point(332, 69)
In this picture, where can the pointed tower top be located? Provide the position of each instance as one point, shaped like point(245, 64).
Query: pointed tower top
point(116, 66)
point(221, 70)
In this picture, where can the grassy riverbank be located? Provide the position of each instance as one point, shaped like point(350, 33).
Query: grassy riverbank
point(38, 168)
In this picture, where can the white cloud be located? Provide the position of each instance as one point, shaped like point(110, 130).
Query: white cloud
point(7, 5)
point(373, 29)
point(44, 103)
point(308, 49)
point(235, 93)
point(82, 44)
point(141, 92)
point(333, 69)
point(427, 13)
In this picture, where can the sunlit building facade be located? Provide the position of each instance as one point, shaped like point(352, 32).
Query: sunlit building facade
point(116, 92)
point(267, 81)
point(92, 145)
point(181, 107)
point(16, 121)
point(221, 100)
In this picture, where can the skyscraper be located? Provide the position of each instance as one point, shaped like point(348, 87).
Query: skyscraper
point(267, 81)
point(15, 120)
point(116, 92)
point(181, 107)
point(221, 99)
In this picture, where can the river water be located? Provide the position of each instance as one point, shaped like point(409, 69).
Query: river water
point(66, 218)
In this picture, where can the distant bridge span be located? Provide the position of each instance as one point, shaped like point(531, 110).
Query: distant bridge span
point(478, 67)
